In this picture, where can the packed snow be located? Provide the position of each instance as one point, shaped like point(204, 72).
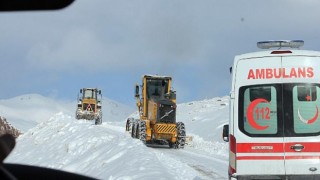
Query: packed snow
point(53, 138)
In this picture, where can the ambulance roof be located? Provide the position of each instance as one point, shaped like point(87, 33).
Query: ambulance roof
point(280, 52)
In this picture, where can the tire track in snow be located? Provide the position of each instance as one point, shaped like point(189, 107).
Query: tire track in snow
point(216, 169)
point(207, 167)
point(187, 162)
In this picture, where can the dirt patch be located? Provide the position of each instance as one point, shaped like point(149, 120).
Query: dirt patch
point(7, 128)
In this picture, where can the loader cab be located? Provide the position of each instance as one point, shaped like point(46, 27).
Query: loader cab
point(88, 93)
point(89, 99)
point(90, 105)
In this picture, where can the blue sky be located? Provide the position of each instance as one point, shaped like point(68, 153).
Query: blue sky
point(110, 44)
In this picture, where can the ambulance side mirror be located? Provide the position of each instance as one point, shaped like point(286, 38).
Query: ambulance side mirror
point(225, 133)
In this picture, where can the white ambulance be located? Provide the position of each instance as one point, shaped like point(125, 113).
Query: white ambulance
point(274, 127)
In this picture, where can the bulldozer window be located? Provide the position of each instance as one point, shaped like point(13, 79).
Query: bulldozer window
point(89, 94)
point(154, 87)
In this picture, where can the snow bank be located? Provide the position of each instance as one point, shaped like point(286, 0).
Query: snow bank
point(205, 118)
point(26, 111)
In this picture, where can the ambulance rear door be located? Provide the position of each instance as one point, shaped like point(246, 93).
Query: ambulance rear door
point(258, 121)
point(301, 95)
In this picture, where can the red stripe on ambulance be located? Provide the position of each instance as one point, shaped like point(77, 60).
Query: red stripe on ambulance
point(276, 157)
point(276, 147)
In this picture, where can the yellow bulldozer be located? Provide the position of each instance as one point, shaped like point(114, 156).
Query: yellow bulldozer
point(157, 110)
point(89, 105)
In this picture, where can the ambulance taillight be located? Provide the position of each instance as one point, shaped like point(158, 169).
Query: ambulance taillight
point(232, 154)
point(281, 52)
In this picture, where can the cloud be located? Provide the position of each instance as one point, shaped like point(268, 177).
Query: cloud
point(128, 36)
point(79, 48)
point(152, 35)
point(193, 41)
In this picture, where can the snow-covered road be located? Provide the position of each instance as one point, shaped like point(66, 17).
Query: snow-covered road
point(206, 166)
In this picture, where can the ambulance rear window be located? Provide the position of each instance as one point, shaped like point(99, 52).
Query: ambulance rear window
point(307, 93)
point(258, 110)
point(305, 108)
point(260, 92)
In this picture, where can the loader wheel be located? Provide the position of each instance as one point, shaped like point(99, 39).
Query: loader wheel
point(181, 139)
point(98, 121)
point(142, 131)
point(137, 135)
point(133, 129)
point(172, 145)
point(128, 124)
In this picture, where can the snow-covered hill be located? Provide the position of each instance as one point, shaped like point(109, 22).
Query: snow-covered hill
point(26, 111)
point(205, 118)
point(108, 152)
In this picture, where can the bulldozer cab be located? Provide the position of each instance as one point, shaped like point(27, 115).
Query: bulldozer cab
point(157, 88)
point(89, 93)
